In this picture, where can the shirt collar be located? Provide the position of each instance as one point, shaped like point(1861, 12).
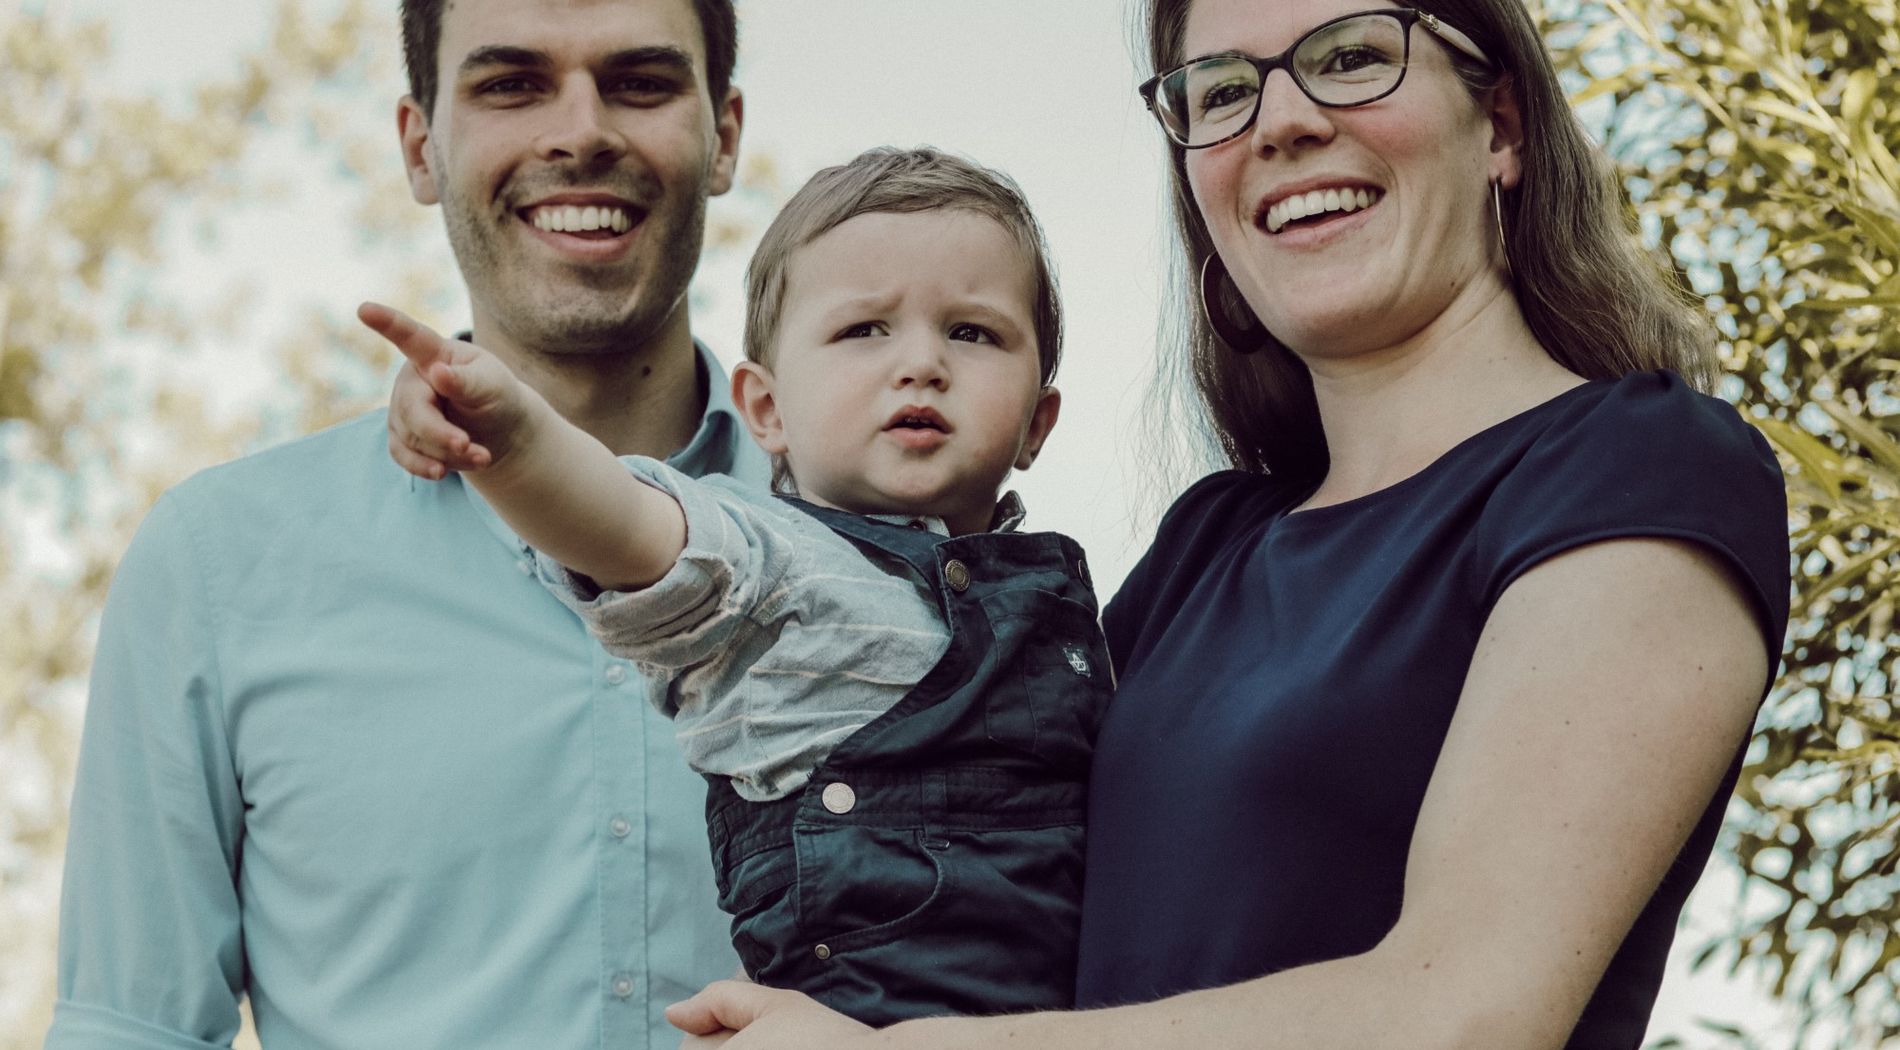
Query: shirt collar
point(1008, 517)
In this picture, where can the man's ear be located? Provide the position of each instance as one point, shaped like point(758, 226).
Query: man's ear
point(727, 124)
point(1507, 134)
point(412, 127)
point(753, 393)
point(1041, 421)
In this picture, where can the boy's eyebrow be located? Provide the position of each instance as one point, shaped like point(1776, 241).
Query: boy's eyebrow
point(529, 58)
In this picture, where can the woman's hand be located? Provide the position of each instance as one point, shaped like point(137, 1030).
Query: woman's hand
point(745, 1016)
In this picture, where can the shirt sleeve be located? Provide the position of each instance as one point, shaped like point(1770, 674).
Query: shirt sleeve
point(1202, 521)
point(150, 949)
point(1653, 458)
point(735, 554)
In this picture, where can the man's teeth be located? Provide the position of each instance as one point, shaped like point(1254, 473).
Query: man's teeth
point(569, 218)
point(1318, 202)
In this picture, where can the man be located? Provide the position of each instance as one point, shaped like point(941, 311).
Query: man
point(278, 795)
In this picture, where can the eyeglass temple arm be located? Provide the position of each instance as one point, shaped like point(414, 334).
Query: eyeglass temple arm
point(1453, 37)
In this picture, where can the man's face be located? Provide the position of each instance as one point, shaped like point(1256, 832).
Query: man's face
point(572, 148)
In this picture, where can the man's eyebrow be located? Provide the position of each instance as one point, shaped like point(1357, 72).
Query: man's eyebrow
point(652, 55)
point(504, 55)
point(616, 61)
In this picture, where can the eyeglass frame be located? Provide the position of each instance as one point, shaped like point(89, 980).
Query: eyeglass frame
point(1264, 67)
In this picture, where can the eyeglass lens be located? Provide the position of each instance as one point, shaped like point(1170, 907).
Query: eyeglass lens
point(1342, 64)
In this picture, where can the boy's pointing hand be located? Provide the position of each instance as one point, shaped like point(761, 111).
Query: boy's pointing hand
point(454, 406)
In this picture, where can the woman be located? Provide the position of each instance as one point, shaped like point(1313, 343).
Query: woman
point(1429, 707)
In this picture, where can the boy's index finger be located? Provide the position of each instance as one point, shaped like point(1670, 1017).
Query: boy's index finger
point(417, 341)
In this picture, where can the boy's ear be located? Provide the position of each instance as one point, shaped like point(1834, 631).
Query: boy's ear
point(412, 128)
point(753, 393)
point(1041, 421)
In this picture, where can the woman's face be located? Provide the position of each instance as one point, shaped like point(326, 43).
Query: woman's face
point(1345, 282)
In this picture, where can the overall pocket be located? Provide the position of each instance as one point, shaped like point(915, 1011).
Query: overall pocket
point(864, 886)
point(1049, 676)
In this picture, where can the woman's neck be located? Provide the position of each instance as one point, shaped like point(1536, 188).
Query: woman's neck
point(1390, 413)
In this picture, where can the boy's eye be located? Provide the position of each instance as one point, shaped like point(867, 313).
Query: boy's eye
point(972, 333)
point(861, 330)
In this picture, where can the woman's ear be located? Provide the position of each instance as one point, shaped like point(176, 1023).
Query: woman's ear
point(1507, 134)
point(753, 393)
point(1042, 419)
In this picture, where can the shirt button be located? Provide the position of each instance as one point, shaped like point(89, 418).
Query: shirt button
point(616, 674)
point(620, 827)
point(957, 575)
point(623, 985)
point(839, 798)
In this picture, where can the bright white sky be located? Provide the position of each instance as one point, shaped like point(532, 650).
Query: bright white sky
point(1043, 90)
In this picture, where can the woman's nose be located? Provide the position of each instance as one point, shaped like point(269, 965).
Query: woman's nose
point(1287, 119)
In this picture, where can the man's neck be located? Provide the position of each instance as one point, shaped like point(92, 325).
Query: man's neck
point(644, 400)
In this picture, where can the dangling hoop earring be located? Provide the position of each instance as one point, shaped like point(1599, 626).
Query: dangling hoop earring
point(1497, 212)
point(1227, 313)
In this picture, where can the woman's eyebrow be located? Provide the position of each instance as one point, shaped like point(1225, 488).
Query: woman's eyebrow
point(1229, 53)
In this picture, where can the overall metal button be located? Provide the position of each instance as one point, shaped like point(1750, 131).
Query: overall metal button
point(823, 951)
point(839, 798)
point(957, 575)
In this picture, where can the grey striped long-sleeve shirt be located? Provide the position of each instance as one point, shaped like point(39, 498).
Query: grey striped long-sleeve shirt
point(778, 638)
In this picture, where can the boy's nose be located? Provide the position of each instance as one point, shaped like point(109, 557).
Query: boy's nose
point(920, 362)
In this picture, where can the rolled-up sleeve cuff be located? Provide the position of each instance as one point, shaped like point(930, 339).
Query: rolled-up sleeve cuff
point(78, 1026)
point(702, 584)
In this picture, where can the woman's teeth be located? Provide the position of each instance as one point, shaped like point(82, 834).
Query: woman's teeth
point(1318, 202)
point(568, 218)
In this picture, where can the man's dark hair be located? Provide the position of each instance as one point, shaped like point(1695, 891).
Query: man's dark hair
point(422, 39)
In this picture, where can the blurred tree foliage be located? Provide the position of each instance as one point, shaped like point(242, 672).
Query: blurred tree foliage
point(98, 191)
point(1758, 139)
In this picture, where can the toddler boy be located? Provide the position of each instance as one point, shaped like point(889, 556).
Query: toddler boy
point(891, 691)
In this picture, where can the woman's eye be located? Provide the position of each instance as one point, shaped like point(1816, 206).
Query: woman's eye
point(861, 330)
point(1227, 95)
point(972, 333)
point(1355, 59)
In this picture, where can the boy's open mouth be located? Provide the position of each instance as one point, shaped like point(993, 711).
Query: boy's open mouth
point(913, 417)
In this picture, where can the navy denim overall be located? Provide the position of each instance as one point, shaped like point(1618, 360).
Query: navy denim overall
point(934, 863)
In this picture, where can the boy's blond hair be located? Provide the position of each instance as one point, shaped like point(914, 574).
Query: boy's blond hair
point(887, 179)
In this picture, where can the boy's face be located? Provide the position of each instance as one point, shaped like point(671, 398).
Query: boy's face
point(905, 376)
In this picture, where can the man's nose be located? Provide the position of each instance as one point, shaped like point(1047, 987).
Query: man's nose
point(580, 125)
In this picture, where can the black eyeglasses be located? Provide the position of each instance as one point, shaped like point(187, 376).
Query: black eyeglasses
point(1349, 61)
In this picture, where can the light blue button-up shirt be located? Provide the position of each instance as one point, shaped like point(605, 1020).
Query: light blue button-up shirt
point(345, 754)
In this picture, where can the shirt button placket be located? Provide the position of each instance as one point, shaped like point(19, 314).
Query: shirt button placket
point(620, 771)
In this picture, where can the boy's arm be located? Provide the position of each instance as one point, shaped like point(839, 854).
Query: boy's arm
point(457, 407)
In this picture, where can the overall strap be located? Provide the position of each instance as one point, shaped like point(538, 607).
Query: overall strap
point(915, 547)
